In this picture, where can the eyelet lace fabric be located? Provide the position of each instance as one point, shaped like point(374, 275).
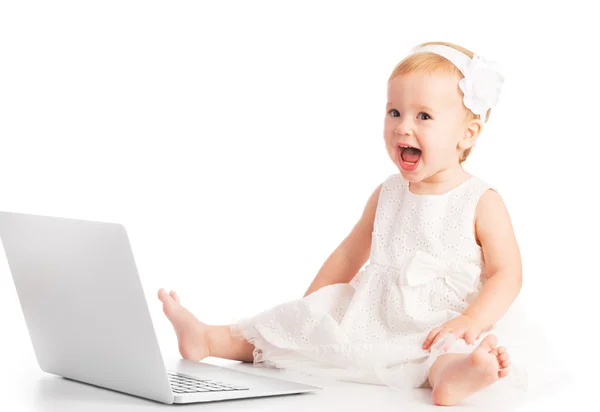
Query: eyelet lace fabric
point(424, 269)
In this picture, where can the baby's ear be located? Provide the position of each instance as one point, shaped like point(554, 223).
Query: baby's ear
point(471, 133)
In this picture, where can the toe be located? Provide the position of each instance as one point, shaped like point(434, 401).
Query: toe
point(166, 299)
point(505, 364)
point(503, 372)
point(503, 357)
point(501, 350)
point(174, 296)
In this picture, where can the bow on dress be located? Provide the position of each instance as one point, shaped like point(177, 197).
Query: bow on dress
point(460, 276)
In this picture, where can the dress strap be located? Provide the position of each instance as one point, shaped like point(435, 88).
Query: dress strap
point(473, 192)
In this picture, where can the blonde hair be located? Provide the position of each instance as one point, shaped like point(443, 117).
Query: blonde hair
point(428, 62)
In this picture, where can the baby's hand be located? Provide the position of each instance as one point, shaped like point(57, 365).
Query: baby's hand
point(462, 327)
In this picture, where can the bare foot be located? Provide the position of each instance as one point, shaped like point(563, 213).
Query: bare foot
point(191, 333)
point(462, 378)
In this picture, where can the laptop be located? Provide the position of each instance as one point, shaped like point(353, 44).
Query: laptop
point(88, 319)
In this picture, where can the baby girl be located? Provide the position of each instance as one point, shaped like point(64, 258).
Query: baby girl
point(444, 267)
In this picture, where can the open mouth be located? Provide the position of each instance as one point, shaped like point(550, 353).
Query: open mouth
point(408, 157)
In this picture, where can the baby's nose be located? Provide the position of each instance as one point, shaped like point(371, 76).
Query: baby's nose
point(404, 127)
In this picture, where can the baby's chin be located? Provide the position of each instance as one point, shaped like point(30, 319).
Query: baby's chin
point(412, 177)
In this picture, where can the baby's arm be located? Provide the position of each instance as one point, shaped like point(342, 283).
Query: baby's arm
point(502, 257)
point(347, 259)
point(494, 232)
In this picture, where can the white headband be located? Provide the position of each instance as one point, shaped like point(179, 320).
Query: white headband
point(481, 83)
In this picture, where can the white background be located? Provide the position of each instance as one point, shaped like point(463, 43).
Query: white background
point(238, 142)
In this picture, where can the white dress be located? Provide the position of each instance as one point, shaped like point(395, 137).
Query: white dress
point(424, 269)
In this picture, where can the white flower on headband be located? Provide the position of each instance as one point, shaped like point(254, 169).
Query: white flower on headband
point(481, 85)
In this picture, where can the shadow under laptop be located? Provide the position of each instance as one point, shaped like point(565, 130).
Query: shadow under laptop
point(53, 393)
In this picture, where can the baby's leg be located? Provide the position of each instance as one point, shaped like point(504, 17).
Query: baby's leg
point(198, 340)
point(454, 377)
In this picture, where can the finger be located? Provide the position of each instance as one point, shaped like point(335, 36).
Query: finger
point(440, 336)
point(431, 337)
point(447, 345)
point(471, 336)
point(459, 333)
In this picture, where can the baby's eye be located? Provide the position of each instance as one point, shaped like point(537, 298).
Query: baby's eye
point(425, 114)
point(394, 113)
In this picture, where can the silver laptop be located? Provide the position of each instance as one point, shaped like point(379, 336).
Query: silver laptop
point(88, 319)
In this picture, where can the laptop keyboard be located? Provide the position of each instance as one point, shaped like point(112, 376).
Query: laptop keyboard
point(187, 384)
